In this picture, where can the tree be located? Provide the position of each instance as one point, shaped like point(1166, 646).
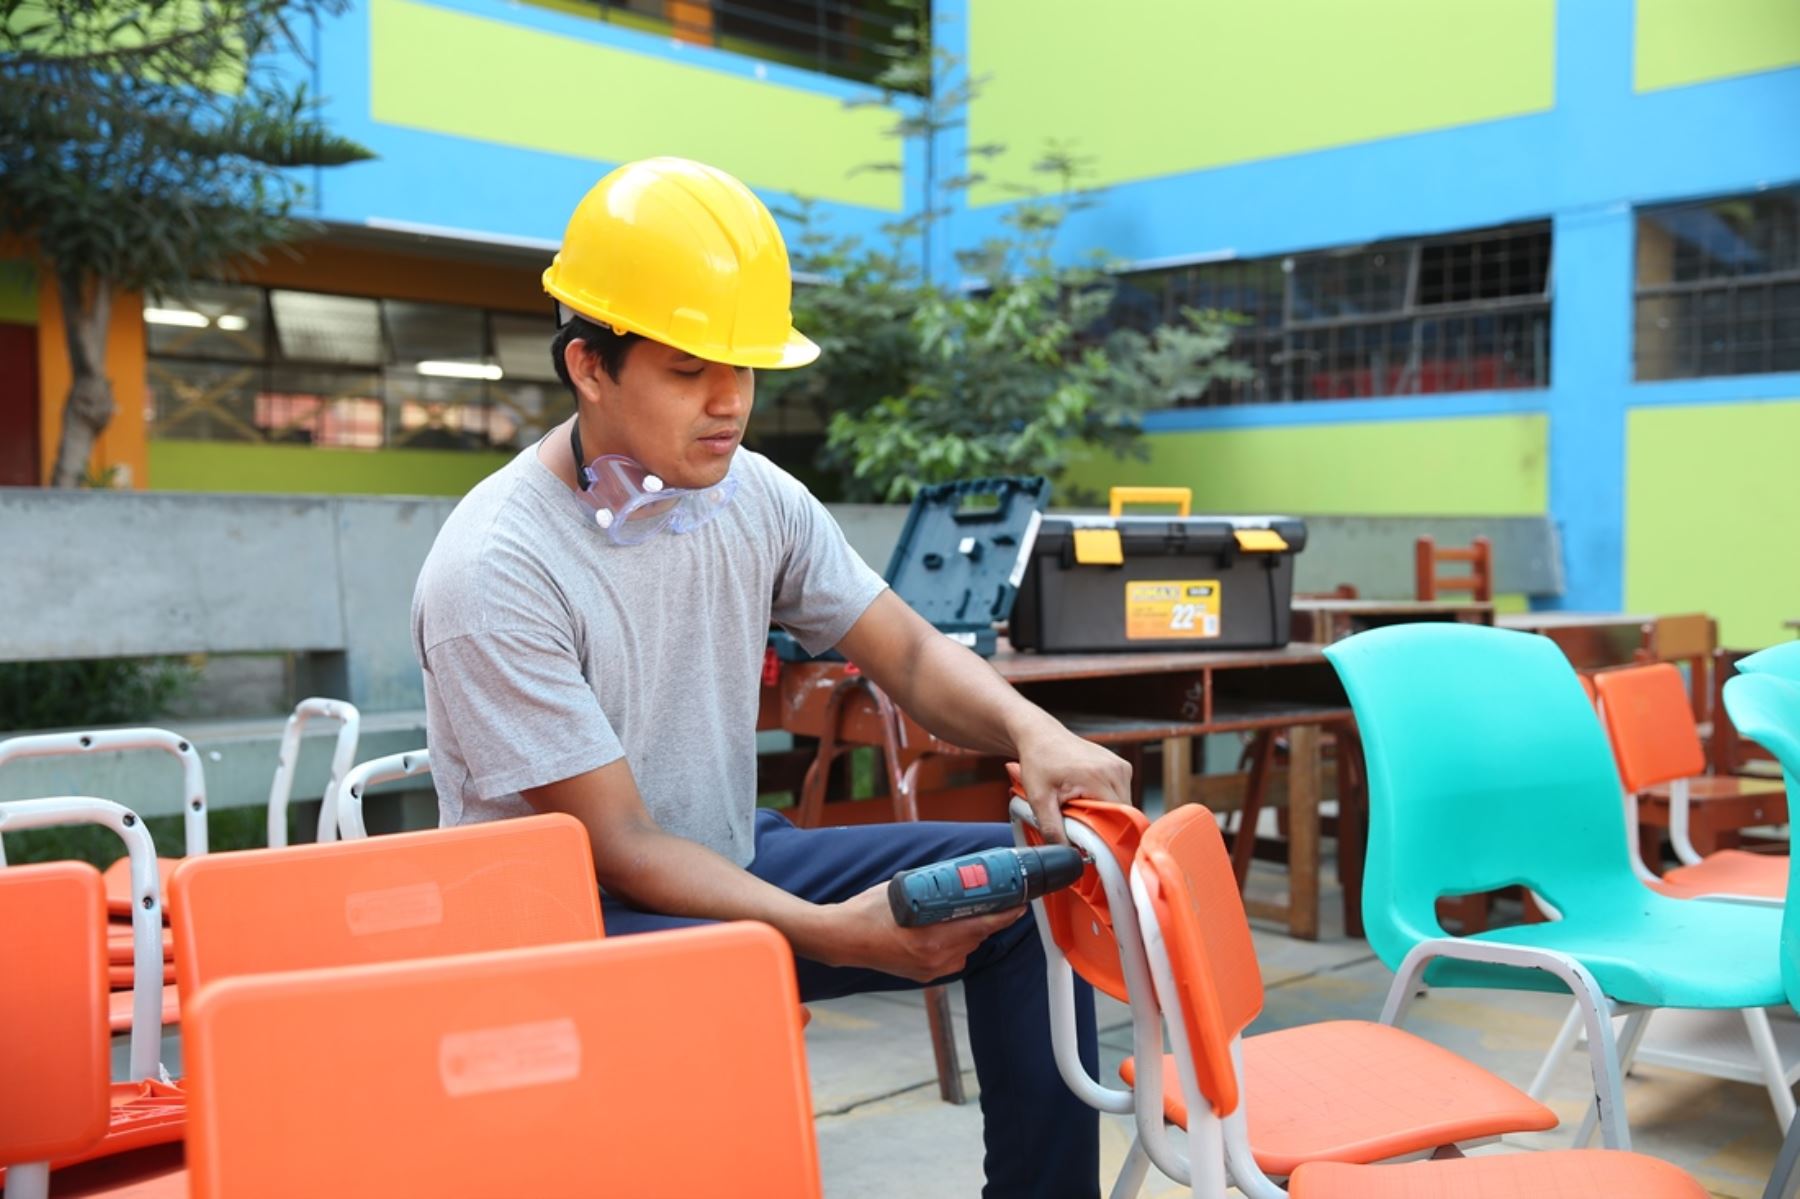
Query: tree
point(926, 380)
point(143, 143)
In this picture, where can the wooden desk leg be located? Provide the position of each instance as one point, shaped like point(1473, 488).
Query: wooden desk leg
point(1303, 831)
point(943, 1045)
point(1178, 771)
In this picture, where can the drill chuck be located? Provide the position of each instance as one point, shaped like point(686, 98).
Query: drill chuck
point(991, 881)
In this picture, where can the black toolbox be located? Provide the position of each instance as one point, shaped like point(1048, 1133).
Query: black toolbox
point(960, 558)
point(1117, 582)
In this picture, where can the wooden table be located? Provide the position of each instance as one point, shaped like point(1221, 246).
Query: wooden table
point(1590, 640)
point(1326, 620)
point(1125, 700)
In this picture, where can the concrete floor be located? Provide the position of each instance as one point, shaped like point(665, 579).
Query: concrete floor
point(884, 1132)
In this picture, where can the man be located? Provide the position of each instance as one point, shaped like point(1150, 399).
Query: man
point(591, 623)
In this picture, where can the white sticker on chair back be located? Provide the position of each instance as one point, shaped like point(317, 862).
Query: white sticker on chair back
point(509, 1058)
point(391, 909)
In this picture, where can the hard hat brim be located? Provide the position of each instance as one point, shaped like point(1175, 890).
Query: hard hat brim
point(798, 350)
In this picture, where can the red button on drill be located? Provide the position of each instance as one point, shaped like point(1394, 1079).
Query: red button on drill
point(973, 875)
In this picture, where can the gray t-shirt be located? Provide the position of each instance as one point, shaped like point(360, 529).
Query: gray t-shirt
point(549, 651)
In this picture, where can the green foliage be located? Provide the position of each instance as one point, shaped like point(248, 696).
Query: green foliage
point(925, 382)
point(147, 141)
point(226, 829)
point(89, 692)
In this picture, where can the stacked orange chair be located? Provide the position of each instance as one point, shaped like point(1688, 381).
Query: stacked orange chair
point(662, 1065)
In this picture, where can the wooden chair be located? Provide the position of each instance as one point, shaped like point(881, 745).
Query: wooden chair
point(1689, 641)
point(1428, 584)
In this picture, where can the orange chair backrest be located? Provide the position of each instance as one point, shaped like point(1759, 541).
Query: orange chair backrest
point(1645, 710)
point(500, 885)
point(666, 1064)
point(55, 1050)
point(1186, 873)
point(1081, 919)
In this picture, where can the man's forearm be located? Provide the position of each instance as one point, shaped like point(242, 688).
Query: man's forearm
point(962, 699)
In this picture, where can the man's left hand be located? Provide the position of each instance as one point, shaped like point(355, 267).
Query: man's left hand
point(1058, 766)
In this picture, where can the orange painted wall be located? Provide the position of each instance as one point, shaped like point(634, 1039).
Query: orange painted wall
point(123, 443)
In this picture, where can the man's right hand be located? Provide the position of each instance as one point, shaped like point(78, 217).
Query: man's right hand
point(864, 934)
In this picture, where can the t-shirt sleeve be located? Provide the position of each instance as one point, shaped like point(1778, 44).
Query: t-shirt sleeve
point(523, 713)
point(822, 587)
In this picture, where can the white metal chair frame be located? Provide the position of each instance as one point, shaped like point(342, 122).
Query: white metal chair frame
point(369, 774)
point(287, 759)
point(193, 781)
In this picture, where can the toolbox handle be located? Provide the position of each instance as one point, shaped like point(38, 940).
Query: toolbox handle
point(1181, 497)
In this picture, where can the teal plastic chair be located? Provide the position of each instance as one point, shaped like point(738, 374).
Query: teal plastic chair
point(1765, 707)
point(1488, 768)
point(1781, 660)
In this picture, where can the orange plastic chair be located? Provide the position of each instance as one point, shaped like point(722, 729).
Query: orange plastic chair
point(555, 1070)
point(1343, 1087)
point(1647, 715)
point(480, 887)
point(55, 1054)
point(1437, 1098)
point(143, 1110)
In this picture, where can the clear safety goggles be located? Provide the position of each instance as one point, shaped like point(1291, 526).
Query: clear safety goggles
point(633, 506)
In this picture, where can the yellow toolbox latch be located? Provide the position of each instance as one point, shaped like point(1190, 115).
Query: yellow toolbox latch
point(1099, 547)
point(1261, 541)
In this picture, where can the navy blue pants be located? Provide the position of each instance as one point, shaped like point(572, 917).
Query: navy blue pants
point(1041, 1140)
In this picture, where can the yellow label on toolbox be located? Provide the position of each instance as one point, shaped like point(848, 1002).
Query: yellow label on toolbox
point(1162, 609)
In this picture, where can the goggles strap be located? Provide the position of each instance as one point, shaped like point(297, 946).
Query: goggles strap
point(582, 474)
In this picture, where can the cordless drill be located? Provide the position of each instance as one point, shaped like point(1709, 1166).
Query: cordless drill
point(990, 881)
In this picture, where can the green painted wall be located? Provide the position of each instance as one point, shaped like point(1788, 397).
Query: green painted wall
point(1688, 41)
point(1712, 499)
point(1459, 466)
point(1162, 87)
point(18, 292)
point(223, 466)
point(494, 81)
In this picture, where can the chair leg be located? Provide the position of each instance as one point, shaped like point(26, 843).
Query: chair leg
point(1132, 1173)
point(1243, 848)
point(1635, 1024)
point(943, 1045)
point(1565, 1041)
point(1756, 1021)
point(1784, 1183)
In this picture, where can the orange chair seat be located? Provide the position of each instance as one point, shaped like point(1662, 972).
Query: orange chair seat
point(1729, 872)
point(143, 1114)
point(1550, 1174)
point(117, 877)
point(121, 951)
point(1355, 1091)
point(120, 1015)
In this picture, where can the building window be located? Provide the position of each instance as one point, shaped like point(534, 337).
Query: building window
point(1465, 312)
point(253, 364)
point(1718, 286)
point(852, 39)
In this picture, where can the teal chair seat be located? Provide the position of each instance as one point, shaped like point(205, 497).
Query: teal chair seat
point(1488, 767)
point(1657, 952)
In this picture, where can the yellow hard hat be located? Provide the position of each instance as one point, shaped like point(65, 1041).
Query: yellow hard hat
point(684, 254)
